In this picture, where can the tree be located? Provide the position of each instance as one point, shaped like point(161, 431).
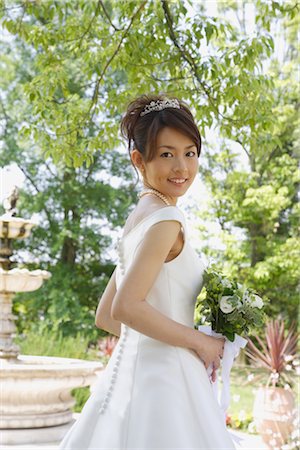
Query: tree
point(91, 58)
point(261, 201)
point(79, 209)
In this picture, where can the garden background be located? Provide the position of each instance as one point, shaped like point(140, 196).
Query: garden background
point(68, 70)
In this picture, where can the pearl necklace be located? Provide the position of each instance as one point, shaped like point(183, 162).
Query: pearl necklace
point(157, 193)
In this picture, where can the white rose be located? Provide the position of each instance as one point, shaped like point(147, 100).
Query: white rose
point(246, 297)
point(257, 302)
point(225, 306)
point(226, 283)
point(239, 304)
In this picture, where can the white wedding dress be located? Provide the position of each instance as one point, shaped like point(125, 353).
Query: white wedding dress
point(152, 395)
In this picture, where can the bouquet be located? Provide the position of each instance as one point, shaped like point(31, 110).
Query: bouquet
point(231, 310)
point(230, 307)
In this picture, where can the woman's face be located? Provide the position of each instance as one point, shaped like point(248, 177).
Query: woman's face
point(174, 165)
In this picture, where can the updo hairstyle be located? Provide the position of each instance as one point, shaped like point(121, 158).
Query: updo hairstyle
point(141, 131)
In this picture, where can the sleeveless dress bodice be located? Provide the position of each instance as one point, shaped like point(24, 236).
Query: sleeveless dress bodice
point(152, 395)
point(180, 280)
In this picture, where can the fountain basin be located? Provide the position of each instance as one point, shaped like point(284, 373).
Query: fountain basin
point(15, 227)
point(22, 280)
point(36, 393)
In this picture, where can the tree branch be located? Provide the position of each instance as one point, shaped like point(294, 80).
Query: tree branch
point(96, 90)
point(296, 6)
point(49, 169)
point(107, 15)
point(169, 79)
point(91, 169)
point(4, 8)
point(98, 82)
point(245, 150)
point(187, 57)
point(90, 24)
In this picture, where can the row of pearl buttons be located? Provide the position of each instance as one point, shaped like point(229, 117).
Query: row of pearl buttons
point(121, 344)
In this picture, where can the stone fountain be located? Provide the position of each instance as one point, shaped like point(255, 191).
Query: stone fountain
point(35, 391)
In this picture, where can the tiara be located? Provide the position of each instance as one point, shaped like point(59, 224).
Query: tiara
point(159, 105)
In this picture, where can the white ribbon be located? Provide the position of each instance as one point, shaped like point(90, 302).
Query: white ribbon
point(231, 350)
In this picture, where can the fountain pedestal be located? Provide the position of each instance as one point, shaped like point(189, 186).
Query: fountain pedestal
point(8, 349)
point(36, 396)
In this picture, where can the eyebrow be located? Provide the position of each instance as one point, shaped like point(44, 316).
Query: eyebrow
point(174, 148)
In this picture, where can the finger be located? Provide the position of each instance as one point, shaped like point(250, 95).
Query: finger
point(214, 375)
point(217, 363)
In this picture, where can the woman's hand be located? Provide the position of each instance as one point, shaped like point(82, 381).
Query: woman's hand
point(210, 350)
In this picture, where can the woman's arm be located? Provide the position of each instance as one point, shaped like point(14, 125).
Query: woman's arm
point(103, 317)
point(129, 304)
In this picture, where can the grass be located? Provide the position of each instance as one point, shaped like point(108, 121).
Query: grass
point(241, 394)
point(49, 344)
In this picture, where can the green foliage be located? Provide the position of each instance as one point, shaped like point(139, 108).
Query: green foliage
point(50, 343)
point(75, 208)
point(90, 59)
point(81, 395)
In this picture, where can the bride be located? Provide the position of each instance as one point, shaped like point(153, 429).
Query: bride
point(155, 392)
